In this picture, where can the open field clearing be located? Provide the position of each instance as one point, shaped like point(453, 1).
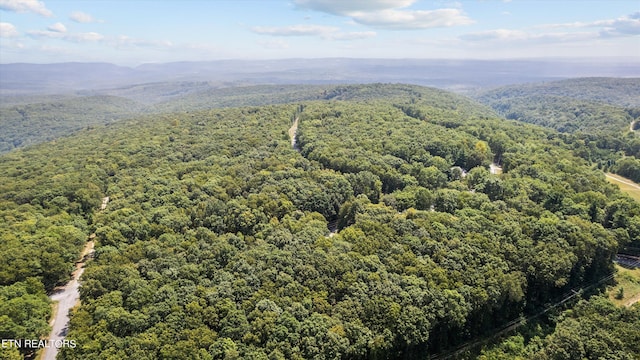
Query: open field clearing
point(625, 185)
point(629, 281)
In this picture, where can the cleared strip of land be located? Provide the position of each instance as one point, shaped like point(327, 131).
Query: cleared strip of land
point(629, 281)
point(625, 185)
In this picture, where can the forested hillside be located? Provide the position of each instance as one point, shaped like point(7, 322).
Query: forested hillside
point(567, 115)
point(215, 243)
point(589, 105)
point(31, 119)
point(28, 120)
point(615, 91)
point(601, 115)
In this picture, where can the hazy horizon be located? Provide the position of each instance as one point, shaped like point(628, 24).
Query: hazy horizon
point(598, 60)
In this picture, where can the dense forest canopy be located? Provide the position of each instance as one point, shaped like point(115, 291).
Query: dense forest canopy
point(589, 105)
point(597, 115)
point(48, 118)
point(215, 244)
point(567, 115)
point(600, 116)
point(615, 91)
point(31, 119)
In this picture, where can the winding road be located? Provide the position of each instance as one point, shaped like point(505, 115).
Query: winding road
point(67, 297)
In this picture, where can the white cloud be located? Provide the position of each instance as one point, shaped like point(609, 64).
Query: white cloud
point(624, 25)
point(85, 37)
point(295, 30)
point(13, 45)
point(417, 19)
point(274, 44)
point(39, 34)
point(515, 36)
point(498, 34)
point(58, 27)
point(55, 32)
point(81, 17)
point(7, 30)
point(352, 35)
point(73, 37)
point(562, 33)
point(126, 41)
point(389, 14)
point(342, 7)
point(325, 32)
point(23, 6)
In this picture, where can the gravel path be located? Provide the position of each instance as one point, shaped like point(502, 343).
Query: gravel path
point(292, 133)
point(67, 297)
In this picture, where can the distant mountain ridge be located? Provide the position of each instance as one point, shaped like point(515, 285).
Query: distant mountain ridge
point(61, 77)
point(458, 75)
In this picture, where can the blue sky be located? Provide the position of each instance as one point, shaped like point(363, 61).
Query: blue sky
point(132, 32)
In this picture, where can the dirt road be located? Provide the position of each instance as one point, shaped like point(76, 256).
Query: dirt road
point(67, 297)
point(292, 133)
